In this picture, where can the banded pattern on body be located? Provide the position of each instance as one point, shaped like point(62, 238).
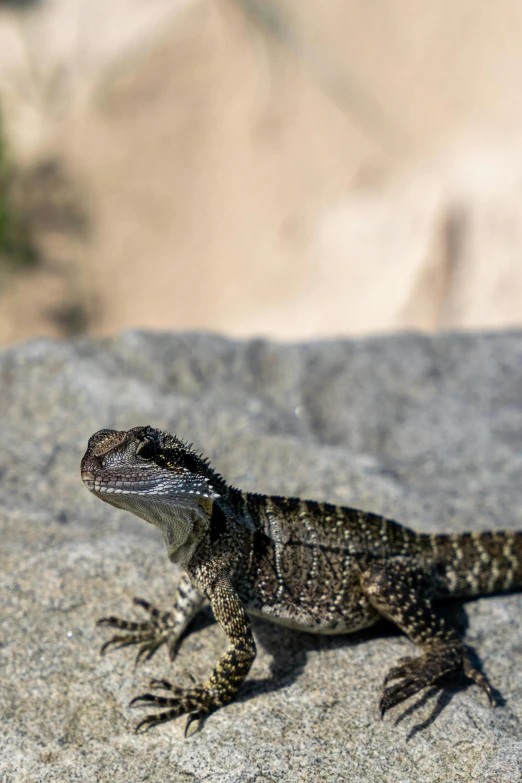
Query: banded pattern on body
point(477, 563)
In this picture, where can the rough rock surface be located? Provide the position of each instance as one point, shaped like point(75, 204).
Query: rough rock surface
point(427, 430)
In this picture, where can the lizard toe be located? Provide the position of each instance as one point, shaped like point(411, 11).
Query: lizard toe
point(196, 702)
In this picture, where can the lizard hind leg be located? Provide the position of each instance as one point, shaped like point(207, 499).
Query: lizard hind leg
point(416, 673)
point(399, 593)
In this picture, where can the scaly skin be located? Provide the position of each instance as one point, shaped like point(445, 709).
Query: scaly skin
point(314, 566)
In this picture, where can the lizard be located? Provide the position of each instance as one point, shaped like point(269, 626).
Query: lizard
point(313, 566)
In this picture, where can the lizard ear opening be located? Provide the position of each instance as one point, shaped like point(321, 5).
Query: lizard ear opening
point(146, 450)
point(191, 463)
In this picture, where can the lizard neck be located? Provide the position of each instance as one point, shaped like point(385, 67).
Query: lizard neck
point(183, 528)
point(224, 549)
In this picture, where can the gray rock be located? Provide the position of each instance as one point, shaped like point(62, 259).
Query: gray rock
point(425, 429)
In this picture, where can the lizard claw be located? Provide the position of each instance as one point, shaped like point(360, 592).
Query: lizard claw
point(193, 717)
point(196, 703)
point(414, 674)
point(151, 634)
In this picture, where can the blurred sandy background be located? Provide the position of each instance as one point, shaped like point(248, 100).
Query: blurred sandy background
point(291, 168)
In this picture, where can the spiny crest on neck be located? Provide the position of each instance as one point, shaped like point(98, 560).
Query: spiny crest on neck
point(170, 452)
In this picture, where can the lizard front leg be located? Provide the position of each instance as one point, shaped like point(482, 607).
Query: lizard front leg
point(228, 675)
point(162, 627)
point(397, 592)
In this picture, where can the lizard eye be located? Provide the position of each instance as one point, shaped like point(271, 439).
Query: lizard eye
point(146, 450)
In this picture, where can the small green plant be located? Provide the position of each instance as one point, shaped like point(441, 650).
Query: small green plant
point(16, 247)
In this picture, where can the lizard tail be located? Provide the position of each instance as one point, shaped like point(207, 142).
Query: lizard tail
point(479, 563)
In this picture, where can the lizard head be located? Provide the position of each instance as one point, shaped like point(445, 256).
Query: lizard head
point(157, 477)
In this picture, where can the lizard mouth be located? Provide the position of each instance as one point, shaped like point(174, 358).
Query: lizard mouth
point(99, 486)
point(88, 479)
point(102, 486)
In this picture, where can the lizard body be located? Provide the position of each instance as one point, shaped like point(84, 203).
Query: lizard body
point(314, 566)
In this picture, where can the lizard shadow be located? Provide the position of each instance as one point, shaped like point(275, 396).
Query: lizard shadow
point(443, 693)
point(289, 650)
